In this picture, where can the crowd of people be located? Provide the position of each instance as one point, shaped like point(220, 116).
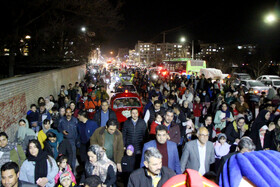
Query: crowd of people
point(188, 122)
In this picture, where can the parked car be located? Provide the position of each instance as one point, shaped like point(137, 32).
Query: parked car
point(238, 77)
point(257, 86)
point(275, 83)
point(267, 77)
point(122, 103)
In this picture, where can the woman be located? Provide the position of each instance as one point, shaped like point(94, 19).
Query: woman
point(10, 151)
point(74, 109)
point(38, 168)
point(24, 134)
point(49, 104)
point(42, 135)
point(236, 130)
point(56, 145)
point(275, 135)
point(241, 105)
point(261, 131)
point(222, 118)
point(101, 166)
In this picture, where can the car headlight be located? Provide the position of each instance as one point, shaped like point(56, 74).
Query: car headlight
point(154, 76)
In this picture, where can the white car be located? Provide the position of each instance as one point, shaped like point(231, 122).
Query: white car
point(275, 83)
point(257, 86)
point(267, 77)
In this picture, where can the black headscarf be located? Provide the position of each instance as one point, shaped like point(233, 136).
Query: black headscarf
point(260, 121)
point(41, 165)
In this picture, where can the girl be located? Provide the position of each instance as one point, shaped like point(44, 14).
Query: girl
point(63, 167)
point(158, 120)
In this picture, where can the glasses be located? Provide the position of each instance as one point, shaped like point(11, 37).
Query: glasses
point(204, 135)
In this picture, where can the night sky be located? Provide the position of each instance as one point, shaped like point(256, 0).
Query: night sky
point(209, 21)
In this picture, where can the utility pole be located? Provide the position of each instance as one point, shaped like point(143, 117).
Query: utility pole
point(192, 50)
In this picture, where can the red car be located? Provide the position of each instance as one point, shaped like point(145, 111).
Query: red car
point(122, 103)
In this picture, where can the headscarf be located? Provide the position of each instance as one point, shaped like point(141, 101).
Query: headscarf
point(277, 131)
point(41, 165)
point(100, 167)
point(260, 121)
point(54, 145)
point(24, 131)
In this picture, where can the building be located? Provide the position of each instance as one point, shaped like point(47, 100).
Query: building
point(149, 53)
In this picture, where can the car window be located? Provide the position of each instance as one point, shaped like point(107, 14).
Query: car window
point(264, 77)
point(276, 83)
point(255, 83)
point(126, 102)
point(129, 88)
point(268, 83)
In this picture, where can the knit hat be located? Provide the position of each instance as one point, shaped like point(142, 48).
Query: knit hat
point(64, 175)
point(131, 148)
point(222, 135)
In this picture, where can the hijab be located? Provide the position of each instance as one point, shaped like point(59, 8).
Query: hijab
point(260, 121)
point(41, 165)
point(100, 167)
point(24, 131)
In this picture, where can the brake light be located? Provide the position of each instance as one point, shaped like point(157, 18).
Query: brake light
point(256, 91)
point(126, 91)
point(164, 73)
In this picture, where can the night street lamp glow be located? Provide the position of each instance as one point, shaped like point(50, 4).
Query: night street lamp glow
point(183, 39)
point(83, 29)
point(270, 18)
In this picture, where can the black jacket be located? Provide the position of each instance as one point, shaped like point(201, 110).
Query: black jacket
point(97, 116)
point(128, 163)
point(135, 135)
point(63, 148)
point(141, 178)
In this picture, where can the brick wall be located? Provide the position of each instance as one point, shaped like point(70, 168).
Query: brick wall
point(18, 93)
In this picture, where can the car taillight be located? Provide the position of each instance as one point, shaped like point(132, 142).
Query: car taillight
point(256, 91)
point(126, 91)
point(164, 73)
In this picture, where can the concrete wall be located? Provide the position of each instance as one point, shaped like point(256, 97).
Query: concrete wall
point(18, 93)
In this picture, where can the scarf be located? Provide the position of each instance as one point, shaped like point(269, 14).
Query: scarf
point(24, 131)
point(54, 148)
point(41, 164)
point(100, 167)
point(5, 157)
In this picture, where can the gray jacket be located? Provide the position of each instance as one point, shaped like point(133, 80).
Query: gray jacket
point(190, 156)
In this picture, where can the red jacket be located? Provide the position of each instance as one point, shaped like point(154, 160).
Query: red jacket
point(197, 109)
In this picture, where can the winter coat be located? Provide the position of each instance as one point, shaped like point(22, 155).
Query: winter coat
point(98, 137)
point(140, 177)
point(97, 116)
point(27, 172)
point(70, 127)
point(135, 135)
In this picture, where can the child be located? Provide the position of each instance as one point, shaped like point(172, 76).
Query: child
point(63, 167)
point(158, 120)
point(32, 116)
point(197, 110)
point(65, 180)
point(128, 163)
point(221, 148)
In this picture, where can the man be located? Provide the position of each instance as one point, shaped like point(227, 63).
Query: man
point(10, 175)
point(168, 149)
point(153, 174)
point(170, 102)
point(68, 127)
point(154, 97)
point(43, 114)
point(151, 112)
point(102, 94)
point(135, 133)
point(103, 115)
point(111, 139)
point(91, 104)
point(85, 128)
point(72, 93)
point(173, 128)
point(198, 154)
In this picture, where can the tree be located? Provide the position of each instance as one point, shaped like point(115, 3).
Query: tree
point(54, 27)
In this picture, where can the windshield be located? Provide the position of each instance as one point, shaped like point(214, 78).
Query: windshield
point(256, 83)
point(129, 88)
point(244, 76)
point(126, 102)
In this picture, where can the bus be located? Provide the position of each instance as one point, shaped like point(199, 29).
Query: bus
point(184, 65)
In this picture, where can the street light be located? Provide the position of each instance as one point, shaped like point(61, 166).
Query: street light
point(270, 18)
point(183, 39)
point(83, 29)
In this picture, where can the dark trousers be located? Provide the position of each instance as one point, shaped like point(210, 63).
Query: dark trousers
point(83, 152)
